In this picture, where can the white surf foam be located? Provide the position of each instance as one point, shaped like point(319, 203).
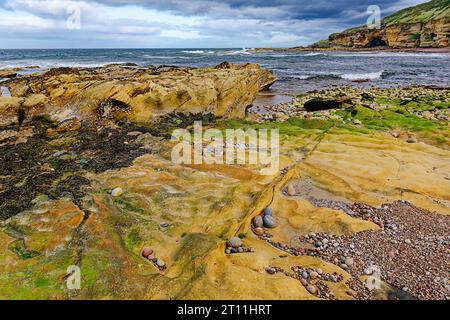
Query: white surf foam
point(362, 76)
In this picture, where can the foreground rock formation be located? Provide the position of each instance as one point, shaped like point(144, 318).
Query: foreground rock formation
point(104, 195)
point(140, 94)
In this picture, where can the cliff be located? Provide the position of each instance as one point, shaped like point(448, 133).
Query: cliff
point(424, 26)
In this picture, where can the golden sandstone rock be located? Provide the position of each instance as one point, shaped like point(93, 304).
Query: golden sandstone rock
point(141, 94)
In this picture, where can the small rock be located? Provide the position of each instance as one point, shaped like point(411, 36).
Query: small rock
point(269, 222)
point(234, 242)
point(411, 140)
point(160, 263)
point(313, 274)
point(259, 231)
point(305, 275)
point(268, 211)
point(228, 251)
point(303, 282)
point(240, 250)
point(146, 252)
point(151, 257)
point(311, 289)
point(291, 190)
point(164, 225)
point(407, 241)
point(271, 270)
point(258, 221)
point(117, 192)
point(318, 244)
point(319, 271)
point(349, 261)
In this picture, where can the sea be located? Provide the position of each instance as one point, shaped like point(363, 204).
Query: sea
point(298, 72)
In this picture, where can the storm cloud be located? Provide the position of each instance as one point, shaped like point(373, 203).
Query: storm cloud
point(179, 23)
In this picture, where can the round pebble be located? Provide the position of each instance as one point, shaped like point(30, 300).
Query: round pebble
point(258, 221)
point(305, 275)
point(160, 263)
point(268, 211)
point(407, 241)
point(146, 252)
point(151, 257)
point(117, 192)
point(349, 261)
point(291, 190)
point(303, 282)
point(269, 222)
point(313, 274)
point(164, 225)
point(234, 242)
point(259, 231)
point(228, 251)
point(271, 270)
point(319, 271)
point(240, 250)
point(311, 289)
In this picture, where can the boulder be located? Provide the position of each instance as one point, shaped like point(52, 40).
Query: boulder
point(318, 104)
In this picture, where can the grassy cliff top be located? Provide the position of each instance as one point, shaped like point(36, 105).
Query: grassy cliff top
point(432, 10)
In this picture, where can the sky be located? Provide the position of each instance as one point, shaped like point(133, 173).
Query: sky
point(180, 23)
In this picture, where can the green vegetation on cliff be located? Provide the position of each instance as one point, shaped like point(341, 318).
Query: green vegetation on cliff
point(425, 12)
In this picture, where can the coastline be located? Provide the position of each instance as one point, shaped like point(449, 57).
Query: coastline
point(350, 49)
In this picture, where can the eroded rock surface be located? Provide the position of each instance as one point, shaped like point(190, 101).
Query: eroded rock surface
point(140, 94)
point(60, 205)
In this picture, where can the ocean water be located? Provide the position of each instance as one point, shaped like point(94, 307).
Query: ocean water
point(297, 71)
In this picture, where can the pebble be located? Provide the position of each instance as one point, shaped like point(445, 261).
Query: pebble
point(271, 270)
point(234, 242)
point(117, 192)
point(305, 275)
point(268, 211)
point(318, 244)
point(146, 252)
point(259, 231)
point(164, 225)
point(303, 282)
point(411, 140)
point(291, 190)
point(160, 263)
point(258, 221)
point(349, 261)
point(311, 289)
point(240, 250)
point(228, 251)
point(313, 274)
point(269, 221)
point(407, 241)
point(319, 271)
point(151, 257)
